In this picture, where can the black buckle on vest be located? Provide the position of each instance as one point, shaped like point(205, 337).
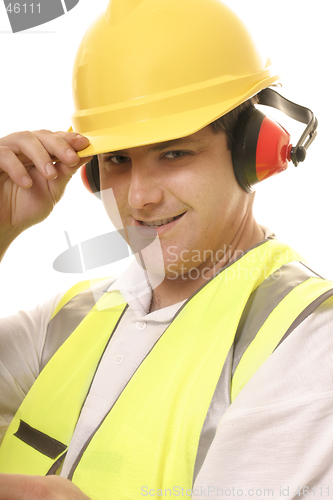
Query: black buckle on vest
point(40, 441)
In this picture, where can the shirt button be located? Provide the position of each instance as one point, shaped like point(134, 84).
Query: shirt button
point(141, 325)
point(118, 359)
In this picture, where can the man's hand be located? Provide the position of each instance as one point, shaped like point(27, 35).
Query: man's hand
point(30, 184)
point(21, 487)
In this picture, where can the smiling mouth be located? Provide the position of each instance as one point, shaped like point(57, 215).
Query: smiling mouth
point(162, 222)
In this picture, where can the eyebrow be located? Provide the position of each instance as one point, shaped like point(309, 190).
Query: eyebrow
point(167, 144)
point(160, 146)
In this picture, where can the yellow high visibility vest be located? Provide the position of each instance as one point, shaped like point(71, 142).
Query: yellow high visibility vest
point(150, 436)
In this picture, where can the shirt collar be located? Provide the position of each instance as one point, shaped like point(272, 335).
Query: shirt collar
point(134, 286)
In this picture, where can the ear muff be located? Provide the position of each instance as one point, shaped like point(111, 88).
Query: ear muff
point(90, 177)
point(262, 147)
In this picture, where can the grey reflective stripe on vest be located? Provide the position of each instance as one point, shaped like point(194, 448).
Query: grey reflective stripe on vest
point(264, 300)
point(259, 306)
point(69, 317)
point(218, 406)
point(307, 311)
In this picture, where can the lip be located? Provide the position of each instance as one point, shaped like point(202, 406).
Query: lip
point(161, 229)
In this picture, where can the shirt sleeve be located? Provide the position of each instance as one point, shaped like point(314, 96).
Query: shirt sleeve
point(22, 337)
point(277, 436)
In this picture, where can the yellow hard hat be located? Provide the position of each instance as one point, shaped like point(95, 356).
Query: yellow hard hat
point(149, 71)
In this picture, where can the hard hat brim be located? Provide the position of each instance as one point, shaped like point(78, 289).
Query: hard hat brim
point(157, 129)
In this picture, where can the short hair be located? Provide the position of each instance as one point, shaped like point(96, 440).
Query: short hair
point(227, 122)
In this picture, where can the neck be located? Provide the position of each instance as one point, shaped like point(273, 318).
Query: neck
point(171, 291)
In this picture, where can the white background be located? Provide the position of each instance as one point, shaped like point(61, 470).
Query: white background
point(35, 92)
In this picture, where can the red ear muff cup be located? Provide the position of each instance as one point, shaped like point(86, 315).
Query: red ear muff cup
point(90, 177)
point(273, 149)
point(261, 148)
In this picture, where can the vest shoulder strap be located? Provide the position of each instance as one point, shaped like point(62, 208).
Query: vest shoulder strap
point(303, 295)
point(75, 290)
point(73, 307)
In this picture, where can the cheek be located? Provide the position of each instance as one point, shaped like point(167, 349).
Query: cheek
point(212, 185)
point(109, 180)
point(218, 197)
point(114, 198)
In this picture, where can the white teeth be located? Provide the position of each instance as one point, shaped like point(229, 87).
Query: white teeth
point(157, 223)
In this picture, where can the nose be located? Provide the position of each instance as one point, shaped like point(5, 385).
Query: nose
point(145, 187)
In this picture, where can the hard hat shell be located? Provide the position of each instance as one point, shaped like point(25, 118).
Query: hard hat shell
point(149, 71)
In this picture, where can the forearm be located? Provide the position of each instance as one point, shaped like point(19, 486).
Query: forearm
point(5, 241)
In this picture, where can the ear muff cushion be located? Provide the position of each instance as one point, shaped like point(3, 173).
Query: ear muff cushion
point(92, 173)
point(246, 135)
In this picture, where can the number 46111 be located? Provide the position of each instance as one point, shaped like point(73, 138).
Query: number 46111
point(306, 491)
point(24, 8)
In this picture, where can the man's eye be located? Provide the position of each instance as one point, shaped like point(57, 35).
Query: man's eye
point(117, 159)
point(173, 155)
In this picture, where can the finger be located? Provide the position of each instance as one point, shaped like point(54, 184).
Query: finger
point(65, 171)
point(13, 486)
point(28, 144)
point(77, 141)
point(24, 487)
point(10, 164)
point(60, 145)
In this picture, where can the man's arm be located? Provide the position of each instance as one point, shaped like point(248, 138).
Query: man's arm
point(30, 184)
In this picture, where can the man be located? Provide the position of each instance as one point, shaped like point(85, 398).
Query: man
point(135, 394)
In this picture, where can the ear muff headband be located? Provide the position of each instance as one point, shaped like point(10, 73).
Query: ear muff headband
point(262, 146)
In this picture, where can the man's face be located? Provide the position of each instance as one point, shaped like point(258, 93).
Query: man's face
point(190, 178)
